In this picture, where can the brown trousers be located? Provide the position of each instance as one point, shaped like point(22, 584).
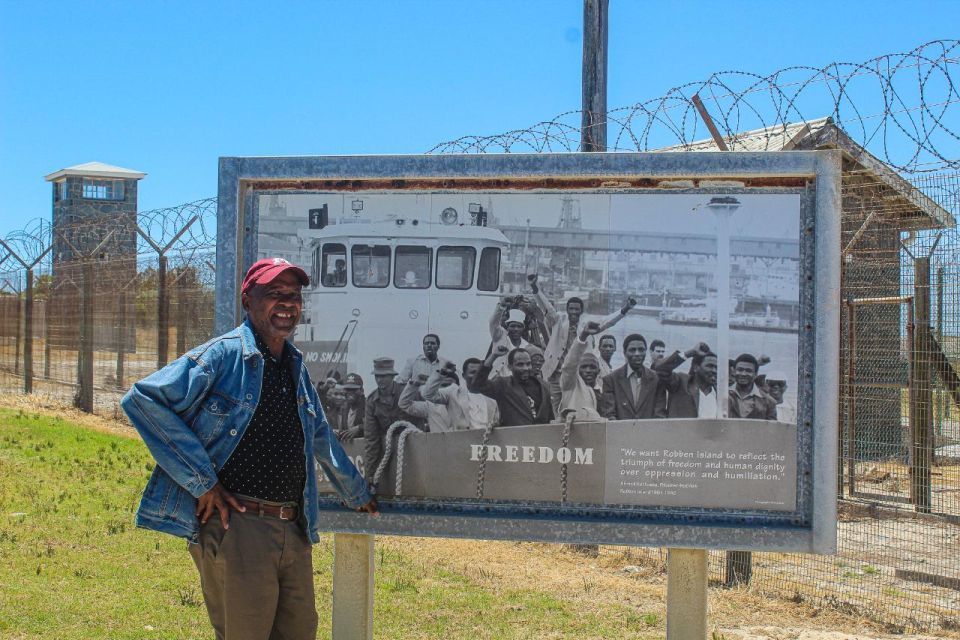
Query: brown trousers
point(257, 578)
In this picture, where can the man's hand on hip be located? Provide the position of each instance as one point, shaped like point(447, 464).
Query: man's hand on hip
point(220, 499)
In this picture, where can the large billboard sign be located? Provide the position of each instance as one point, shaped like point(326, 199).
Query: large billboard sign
point(615, 348)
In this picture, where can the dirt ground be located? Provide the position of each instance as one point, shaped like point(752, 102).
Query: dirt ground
point(636, 577)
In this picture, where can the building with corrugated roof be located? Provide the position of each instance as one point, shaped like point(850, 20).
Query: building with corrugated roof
point(879, 208)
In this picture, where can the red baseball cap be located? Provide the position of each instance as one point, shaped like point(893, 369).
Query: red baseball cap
point(265, 270)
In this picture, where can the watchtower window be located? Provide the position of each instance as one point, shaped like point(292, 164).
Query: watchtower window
point(412, 267)
point(371, 265)
point(455, 267)
point(102, 189)
point(333, 265)
point(489, 277)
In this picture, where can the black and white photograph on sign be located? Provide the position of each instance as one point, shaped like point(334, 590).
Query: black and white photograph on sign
point(574, 347)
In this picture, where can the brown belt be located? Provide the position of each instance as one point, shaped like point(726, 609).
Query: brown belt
point(283, 512)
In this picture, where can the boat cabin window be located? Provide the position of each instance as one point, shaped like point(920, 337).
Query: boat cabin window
point(489, 277)
point(455, 267)
point(333, 265)
point(371, 265)
point(411, 267)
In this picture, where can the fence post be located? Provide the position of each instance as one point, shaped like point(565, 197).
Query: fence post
point(121, 336)
point(921, 395)
point(27, 316)
point(182, 319)
point(46, 334)
point(739, 568)
point(163, 313)
point(28, 334)
point(84, 400)
point(940, 400)
point(17, 339)
point(163, 306)
point(851, 399)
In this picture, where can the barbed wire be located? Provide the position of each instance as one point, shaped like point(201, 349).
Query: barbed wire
point(185, 227)
point(899, 106)
point(185, 233)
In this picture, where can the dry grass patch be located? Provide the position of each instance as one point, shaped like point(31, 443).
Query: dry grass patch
point(52, 408)
point(635, 578)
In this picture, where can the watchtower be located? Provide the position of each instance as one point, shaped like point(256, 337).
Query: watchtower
point(94, 221)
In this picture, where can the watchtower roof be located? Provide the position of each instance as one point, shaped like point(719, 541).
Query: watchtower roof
point(912, 208)
point(95, 170)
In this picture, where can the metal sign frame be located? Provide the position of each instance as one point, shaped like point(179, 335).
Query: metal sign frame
point(813, 174)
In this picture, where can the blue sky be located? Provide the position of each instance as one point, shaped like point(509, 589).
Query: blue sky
point(168, 87)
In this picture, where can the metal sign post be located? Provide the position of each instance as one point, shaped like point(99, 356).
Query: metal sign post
point(686, 594)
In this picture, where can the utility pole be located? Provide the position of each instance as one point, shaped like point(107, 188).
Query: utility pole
point(593, 127)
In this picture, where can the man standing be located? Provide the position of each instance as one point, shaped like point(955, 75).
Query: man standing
point(607, 346)
point(354, 405)
point(426, 363)
point(694, 394)
point(435, 415)
point(578, 378)
point(521, 398)
point(509, 336)
point(536, 360)
point(466, 410)
point(333, 401)
point(236, 427)
point(563, 331)
point(658, 351)
point(381, 411)
point(746, 399)
point(629, 393)
point(777, 386)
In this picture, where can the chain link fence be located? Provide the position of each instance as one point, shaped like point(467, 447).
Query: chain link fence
point(89, 307)
point(895, 117)
point(94, 304)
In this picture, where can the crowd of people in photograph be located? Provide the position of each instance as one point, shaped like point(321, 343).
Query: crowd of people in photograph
point(545, 366)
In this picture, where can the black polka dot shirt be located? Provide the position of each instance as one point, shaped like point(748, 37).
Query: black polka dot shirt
point(269, 462)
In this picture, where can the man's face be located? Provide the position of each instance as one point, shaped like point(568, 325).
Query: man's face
point(607, 349)
point(274, 309)
point(635, 351)
point(430, 347)
point(657, 354)
point(574, 311)
point(536, 363)
point(589, 371)
point(776, 389)
point(354, 396)
point(744, 373)
point(471, 372)
point(707, 371)
point(515, 330)
point(384, 381)
point(521, 367)
point(336, 397)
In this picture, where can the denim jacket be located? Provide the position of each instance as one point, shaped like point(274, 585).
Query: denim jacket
point(192, 413)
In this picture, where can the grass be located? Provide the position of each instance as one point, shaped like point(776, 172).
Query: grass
point(73, 566)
